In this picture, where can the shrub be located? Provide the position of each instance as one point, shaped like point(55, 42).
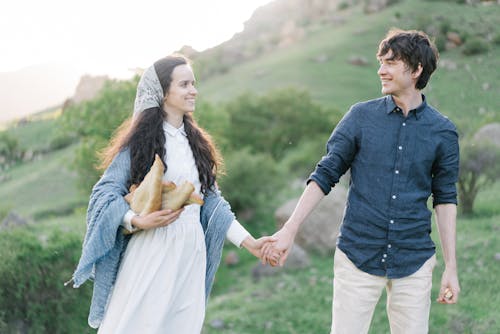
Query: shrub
point(253, 181)
point(301, 161)
point(277, 122)
point(10, 151)
point(479, 168)
point(62, 141)
point(474, 46)
point(93, 123)
point(440, 42)
point(343, 5)
point(32, 272)
point(496, 39)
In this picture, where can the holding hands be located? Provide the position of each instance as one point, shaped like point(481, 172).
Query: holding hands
point(279, 248)
point(286, 235)
point(256, 248)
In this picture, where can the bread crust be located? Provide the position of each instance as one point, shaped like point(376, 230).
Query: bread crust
point(147, 196)
point(154, 194)
point(174, 197)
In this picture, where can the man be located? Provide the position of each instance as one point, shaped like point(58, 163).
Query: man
point(400, 151)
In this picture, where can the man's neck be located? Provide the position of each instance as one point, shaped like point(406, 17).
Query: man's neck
point(408, 101)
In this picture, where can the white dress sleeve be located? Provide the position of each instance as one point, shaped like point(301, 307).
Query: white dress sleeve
point(127, 221)
point(236, 233)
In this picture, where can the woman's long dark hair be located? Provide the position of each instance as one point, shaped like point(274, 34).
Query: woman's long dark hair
point(145, 137)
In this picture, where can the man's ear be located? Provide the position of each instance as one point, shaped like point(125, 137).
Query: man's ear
point(415, 74)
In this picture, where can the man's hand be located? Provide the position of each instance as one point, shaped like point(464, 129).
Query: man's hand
point(255, 247)
point(450, 288)
point(283, 244)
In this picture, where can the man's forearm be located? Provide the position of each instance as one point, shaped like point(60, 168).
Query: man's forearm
point(307, 202)
point(446, 222)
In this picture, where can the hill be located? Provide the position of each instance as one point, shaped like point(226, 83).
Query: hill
point(29, 86)
point(330, 53)
point(335, 60)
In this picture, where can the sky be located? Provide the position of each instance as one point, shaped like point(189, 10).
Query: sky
point(113, 36)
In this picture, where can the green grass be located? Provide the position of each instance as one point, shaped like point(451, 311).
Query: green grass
point(335, 83)
point(299, 301)
point(42, 188)
point(37, 133)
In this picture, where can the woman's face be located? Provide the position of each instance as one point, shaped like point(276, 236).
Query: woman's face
point(181, 96)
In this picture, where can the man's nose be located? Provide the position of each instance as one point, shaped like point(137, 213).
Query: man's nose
point(381, 69)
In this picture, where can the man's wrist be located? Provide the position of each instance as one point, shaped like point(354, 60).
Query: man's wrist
point(451, 266)
point(291, 228)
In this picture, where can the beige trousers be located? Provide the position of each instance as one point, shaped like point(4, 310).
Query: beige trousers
point(356, 293)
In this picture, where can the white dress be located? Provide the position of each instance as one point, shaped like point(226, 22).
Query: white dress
point(160, 287)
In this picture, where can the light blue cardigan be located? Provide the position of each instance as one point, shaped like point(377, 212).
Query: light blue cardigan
point(105, 243)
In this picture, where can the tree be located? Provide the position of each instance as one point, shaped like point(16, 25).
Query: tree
point(479, 167)
point(9, 149)
point(93, 123)
point(278, 122)
point(253, 181)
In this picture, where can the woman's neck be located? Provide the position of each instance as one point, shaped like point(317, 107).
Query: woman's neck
point(175, 120)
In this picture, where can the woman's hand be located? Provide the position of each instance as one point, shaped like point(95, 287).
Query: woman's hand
point(255, 248)
point(282, 246)
point(156, 219)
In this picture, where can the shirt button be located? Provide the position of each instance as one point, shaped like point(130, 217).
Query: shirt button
point(385, 255)
point(400, 148)
point(383, 260)
point(391, 221)
point(396, 171)
point(389, 246)
point(404, 124)
point(394, 196)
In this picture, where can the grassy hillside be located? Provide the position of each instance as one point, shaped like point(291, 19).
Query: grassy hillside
point(457, 93)
point(299, 301)
point(44, 190)
point(335, 83)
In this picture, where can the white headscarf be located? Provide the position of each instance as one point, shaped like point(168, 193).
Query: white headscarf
point(149, 92)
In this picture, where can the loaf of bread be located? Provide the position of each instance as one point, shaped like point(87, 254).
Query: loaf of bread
point(448, 294)
point(153, 194)
point(174, 197)
point(146, 197)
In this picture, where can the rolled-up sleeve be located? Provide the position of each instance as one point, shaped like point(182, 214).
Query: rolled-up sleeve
point(340, 151)
point(445, 169)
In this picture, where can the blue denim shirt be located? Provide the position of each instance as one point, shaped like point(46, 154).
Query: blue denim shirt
point(396, 164)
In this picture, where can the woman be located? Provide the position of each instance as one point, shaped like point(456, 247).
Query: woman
point(158, 280)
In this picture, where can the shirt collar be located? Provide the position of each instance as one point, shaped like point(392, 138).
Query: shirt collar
point(172, 130)
point(392, 107)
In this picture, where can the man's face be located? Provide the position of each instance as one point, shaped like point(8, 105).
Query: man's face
point(396, 77)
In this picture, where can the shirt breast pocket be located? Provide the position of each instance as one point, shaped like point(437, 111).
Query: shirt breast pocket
point(425, 151)
point(376, 146)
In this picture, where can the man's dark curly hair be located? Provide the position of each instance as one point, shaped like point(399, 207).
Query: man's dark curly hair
point(413, 48)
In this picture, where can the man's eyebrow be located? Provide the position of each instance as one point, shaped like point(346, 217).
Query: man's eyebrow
point(393, 57)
